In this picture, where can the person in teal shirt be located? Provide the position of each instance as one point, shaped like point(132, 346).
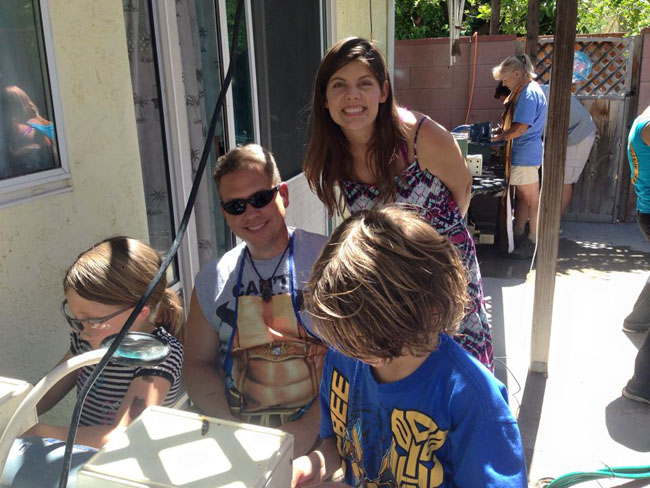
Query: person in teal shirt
point(638, 152)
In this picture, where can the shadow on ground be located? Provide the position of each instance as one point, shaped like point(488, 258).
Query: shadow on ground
point(572, 256)
point(628, 423)
point(530, 413)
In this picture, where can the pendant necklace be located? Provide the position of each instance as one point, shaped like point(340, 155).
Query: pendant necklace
point(266, 284)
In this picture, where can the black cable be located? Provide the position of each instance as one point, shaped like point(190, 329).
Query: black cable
point(81, 398)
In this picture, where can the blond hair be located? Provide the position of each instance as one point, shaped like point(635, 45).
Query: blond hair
point(117, 271)
point(243, 157)
point(386, 283)
point(521, 62)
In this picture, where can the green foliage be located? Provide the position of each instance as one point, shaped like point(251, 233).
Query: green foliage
point(428, 18)
point(514, 14)
point(416, 19)
point(630, 16)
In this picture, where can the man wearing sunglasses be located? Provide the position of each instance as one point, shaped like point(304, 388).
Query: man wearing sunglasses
point(248, 354)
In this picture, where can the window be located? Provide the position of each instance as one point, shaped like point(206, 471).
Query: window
point(31, 162)
point(285, 75)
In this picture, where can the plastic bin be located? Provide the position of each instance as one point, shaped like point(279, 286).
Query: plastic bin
point(168, 448)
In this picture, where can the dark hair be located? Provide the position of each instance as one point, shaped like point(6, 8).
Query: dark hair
point(386, 283)
point(243, 157)
point(117, 271)
point(501, 90)
point(328, 161)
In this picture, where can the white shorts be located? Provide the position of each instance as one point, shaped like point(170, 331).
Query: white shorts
point(576, 158)
point(524, 175)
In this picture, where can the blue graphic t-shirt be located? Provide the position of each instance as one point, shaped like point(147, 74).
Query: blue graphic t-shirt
point(530, 109)
point(447, 424)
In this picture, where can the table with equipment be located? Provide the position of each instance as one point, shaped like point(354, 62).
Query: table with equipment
point(488, 179)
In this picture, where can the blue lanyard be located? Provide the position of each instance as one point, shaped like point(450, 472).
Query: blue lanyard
point(227, 363)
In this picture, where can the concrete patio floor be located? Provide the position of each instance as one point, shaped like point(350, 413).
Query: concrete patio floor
point(575, 419)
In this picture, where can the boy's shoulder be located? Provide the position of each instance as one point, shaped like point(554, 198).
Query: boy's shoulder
point(449, 369)
point(472, 387)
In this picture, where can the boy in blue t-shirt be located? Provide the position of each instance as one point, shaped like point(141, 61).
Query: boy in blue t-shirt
point(402, 404)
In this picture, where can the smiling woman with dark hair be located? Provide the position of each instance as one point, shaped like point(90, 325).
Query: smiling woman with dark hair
point(377, 153)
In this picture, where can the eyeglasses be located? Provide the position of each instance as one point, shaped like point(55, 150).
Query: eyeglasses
point(259, 199)
point(95, 323)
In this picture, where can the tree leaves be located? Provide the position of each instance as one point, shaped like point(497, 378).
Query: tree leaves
point(416, 19)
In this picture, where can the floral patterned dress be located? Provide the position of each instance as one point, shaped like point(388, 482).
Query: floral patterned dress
point(421, 188)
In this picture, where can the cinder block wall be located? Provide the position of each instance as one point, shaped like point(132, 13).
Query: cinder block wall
point(425, 82)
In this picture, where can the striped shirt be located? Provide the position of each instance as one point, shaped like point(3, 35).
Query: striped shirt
point(106, 395)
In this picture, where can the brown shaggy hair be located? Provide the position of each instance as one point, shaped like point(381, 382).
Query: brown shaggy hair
point(386, 284)
point(117, 271)
point(328, 161)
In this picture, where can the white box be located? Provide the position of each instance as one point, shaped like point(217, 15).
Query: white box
point(167, 448)
point(486, 239)
point(12, 393)
point(475, 164)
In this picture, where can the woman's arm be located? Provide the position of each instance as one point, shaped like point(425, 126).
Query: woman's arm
point(439, 153)
point(517, 129)
point(58, 391)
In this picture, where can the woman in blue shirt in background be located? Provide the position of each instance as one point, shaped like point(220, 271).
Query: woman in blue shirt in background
point(524, 126)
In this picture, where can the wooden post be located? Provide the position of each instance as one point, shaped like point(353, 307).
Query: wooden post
point(495, 17)
point(557, 135)
point(532, 28)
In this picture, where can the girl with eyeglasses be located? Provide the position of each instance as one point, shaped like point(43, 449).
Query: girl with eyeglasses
point(101, 289)
point(375, 153)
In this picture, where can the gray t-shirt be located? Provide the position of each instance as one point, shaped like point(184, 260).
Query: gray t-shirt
point(581, 124)
point(216, 282)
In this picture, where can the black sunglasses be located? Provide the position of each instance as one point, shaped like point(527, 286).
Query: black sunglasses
point(259, 199)
point(95, 323)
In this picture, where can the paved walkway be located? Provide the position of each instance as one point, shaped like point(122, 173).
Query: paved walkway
point(575, 419)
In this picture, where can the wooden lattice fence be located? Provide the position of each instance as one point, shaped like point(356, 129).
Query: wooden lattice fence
point(611, 59)
point(603, 192)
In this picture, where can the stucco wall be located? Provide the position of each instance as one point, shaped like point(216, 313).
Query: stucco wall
point(425, 82)
point(353, 19)
point(40, 239)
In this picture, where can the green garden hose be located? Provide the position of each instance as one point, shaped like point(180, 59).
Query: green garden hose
point(571, 479)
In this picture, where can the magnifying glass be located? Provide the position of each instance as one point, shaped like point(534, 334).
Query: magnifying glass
point(138, 349)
